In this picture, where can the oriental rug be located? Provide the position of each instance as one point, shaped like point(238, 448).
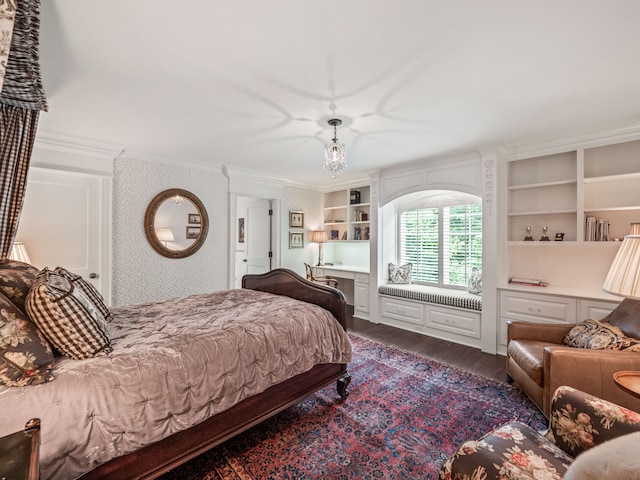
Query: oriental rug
point(405, 415)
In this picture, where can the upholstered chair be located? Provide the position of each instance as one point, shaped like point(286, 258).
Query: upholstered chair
point(331, 282)
point(588, 439)
point(539, 360)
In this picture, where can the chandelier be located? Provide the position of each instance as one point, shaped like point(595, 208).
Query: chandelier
point(335, 156)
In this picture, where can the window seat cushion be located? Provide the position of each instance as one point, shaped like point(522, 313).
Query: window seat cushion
point(442, 296)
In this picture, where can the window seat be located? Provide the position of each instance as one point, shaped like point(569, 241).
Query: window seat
point(442, 296)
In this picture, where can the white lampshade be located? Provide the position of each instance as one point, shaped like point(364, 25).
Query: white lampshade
point(165, 235)
point(319, 236)
point(623, 278)
point(19, 253)
point(634, 229)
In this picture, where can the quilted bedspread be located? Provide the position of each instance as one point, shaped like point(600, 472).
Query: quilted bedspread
point(173, 365)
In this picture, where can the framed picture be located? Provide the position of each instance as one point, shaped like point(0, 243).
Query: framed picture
point(296, 219)
point(194, 218)
point(335, 235)
point(241, 230)
point(296, 240)
point(192, 232)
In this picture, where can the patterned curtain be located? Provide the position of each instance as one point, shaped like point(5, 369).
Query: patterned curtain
point(21, 99)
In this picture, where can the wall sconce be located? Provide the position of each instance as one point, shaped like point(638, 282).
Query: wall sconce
point(319, 237)
point(19, 253)
point(165, 235)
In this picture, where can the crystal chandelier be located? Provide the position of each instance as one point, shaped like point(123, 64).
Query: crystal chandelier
point(335, 156)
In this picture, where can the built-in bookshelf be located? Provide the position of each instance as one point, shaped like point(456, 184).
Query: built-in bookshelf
point(347, 214)
point(581, 195)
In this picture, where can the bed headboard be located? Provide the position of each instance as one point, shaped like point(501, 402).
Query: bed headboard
point(282, 281)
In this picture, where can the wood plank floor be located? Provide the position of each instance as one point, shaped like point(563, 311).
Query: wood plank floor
point(461, 356)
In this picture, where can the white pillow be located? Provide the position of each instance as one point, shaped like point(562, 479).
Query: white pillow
point(475, 281)
point(400, 273)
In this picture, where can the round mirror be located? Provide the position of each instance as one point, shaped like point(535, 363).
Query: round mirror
point(176, 223)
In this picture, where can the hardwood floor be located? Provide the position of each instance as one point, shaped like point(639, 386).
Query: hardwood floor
point(461, 356)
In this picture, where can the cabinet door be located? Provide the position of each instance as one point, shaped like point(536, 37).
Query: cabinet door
point(595, 309)
point(361, 297)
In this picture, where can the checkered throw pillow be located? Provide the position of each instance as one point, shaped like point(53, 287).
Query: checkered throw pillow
point(70, 313)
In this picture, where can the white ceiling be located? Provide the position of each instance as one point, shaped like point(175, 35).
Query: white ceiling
point(251, 83)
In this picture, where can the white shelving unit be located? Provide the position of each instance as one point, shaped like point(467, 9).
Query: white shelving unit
point(560, 191)
point(347, 214)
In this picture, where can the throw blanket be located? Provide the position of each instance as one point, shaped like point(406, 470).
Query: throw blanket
point(173, 365)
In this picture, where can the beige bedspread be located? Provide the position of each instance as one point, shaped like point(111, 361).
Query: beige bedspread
point(174, 364)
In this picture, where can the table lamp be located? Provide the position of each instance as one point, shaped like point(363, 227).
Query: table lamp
point(623, 278)
point(19, 253)
point(165, 235)
point(319, 237)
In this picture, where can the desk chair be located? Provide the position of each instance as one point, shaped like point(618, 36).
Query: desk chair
point(331, 282)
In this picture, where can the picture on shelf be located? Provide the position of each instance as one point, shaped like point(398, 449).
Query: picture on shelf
point(366, 233)
point(355, 197)
point(357, 233)
point(335, 234)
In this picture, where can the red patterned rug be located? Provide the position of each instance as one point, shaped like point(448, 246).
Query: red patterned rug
point(405, 415)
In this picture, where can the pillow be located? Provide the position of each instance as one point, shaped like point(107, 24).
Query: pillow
point(597, 335)
point(68, 316)
point(15, 280)
point(616, 458)
point(400, 273)
point(26, 358)
point(475, 281)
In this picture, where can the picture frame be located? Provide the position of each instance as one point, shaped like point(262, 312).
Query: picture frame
point(335, 235)
point(192, 232)
point(241, 230)
point(194, 218)
point(296, 219)
point(296, 240)
point(559, 237)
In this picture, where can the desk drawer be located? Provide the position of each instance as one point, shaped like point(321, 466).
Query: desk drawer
point(402, 310)
point(362, 278)
point(532, 307)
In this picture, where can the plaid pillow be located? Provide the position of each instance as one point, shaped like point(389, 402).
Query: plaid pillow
point(69, 313)
point(26, 358)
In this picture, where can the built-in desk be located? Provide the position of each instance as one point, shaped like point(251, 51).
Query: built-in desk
point(353, 282)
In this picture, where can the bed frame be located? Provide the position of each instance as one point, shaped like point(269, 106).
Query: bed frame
point(159, 458)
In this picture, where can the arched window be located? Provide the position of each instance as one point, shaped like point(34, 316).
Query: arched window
point(440, 234)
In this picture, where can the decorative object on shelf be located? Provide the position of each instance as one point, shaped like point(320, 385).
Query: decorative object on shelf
point(545, 236)
point(596, 229)
point(165, 235)
point(296, 240)
point(365, 217)
point(354, 197)
point(528, 237)
point(559, 237)
point(296, 219)
point(19, 253)
point(530, 282)
point(335, 234)
point(623, 278)
point(357, 233)
point(319, 237)
point(335, 155)
point(366, 233)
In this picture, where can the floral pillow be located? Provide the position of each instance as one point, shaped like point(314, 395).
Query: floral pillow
point(15, 280)
point(400, 273)
point(26, 358)
point(599, 336)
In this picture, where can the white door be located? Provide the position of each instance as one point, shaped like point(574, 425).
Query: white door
point(258, 237)
point(61, 223)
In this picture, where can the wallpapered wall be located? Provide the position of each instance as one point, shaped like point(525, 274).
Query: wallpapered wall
point(140, 274)
point(310, 202)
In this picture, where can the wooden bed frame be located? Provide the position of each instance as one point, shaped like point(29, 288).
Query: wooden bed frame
point(159, 458)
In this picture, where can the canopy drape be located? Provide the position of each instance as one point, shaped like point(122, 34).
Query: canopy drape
point(21, 99)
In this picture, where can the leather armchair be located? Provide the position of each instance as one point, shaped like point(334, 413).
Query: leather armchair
point(539, 363)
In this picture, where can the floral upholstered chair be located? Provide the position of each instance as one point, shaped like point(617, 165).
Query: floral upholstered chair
point(588, 438)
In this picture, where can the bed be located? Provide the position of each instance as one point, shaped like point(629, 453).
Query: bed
point(173, 388)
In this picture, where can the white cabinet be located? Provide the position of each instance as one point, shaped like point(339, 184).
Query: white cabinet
point(544, 308)
point(440, 321)
point(347, 214)
point(361, 300)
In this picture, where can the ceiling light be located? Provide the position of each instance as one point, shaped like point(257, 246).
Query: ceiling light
point(335, 156)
